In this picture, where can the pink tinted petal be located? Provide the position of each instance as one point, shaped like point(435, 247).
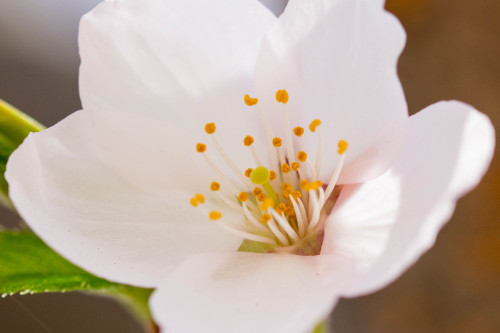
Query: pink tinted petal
point(101, 221)
point(247, 292)
point(383, 226)
point(337, 59)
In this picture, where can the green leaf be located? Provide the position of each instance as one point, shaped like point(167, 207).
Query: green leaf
point(14, 128)
point(27, 265)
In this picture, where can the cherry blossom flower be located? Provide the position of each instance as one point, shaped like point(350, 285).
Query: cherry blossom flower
point(213, 126)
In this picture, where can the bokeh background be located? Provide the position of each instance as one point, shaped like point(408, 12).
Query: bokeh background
point(453, 52)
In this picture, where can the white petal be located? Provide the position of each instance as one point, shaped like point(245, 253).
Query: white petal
point(246, 292)
point(188, 62)
point(337, 59)
point(99, 220)
point(386, 224)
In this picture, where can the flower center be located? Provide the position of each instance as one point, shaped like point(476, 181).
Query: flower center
point(285, 204)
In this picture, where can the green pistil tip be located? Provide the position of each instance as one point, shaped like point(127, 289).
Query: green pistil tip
point(260, 175)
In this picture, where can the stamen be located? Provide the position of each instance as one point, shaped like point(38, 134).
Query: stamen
point(214, 186)
point(248, 172)
point(314, 124)
point(286, 190)
point(200, 198)
point(300, 219)
point(319, 153)
point(249, 100)
point(256, 223)
point(285, 168)
point(210, 128)
point(342, 146)
point(213, 215)
point(261, 197)
point(315, 185)
point(295, 166)
point(282, 96)
point(302, 156)
point(193, 202)
point(285, 225)
point(256, 191)
point(227, 201)
point(277, 142)
point(269, 135)
point(316, 210)
point(298, 131)
point(201, 147)
point(272, 175)
point(266, 204)
point(243, 196)
point(281, 208)
point(336, 173)
point(246, 235)
point(265, 218)
point(274, 228)
point(248, 140)
point(302, 212)
point(311, 167)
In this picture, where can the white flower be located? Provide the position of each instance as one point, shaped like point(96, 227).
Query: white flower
point(110, 187)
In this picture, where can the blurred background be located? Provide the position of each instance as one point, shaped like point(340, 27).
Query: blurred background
point(453, 52)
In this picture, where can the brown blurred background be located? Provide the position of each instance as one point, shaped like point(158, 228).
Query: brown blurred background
point(453, 52)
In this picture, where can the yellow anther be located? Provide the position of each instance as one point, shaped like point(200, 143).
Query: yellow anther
point(314, 124)
point(214, 186)
point(298, 131)
point(196, 200)
point(256, 191)
point(210, 128)
point(261, 197)
point(281, 208)
point(295, 166)
point(213, 215)
point(314, 185)
point(302, 156)
point(285, 168)
point(248, 140)
point(267, 203)
point(248, 172)
point(282, 96)
point(265, 218)
point(342, 146)
point(277, 142)
point(201, 147)
point(296, 195)
point(304, 184)
point(287, 191)
point(200, 198)
point(285, 186)
point(249, 100)
point(272, 175)
point(289, 210)
point(243, 196)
